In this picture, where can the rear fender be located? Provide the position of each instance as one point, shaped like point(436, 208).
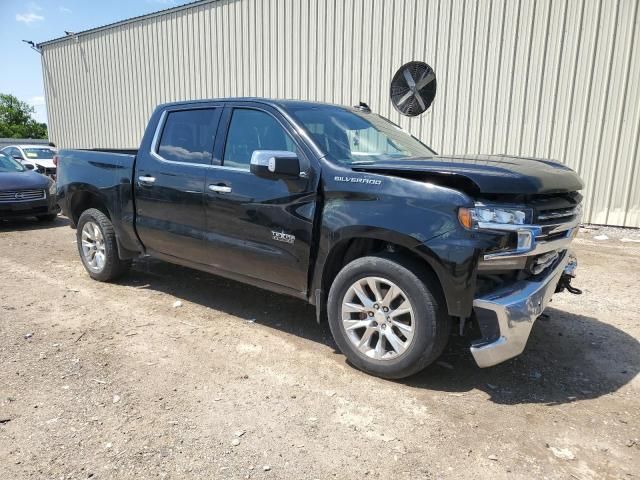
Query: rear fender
point(81, 196)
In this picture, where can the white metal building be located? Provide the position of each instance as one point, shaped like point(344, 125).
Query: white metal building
point(548, 78)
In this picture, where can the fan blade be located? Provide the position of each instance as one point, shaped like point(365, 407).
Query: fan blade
point(405, 97)
point(426, 80)
point(420, 101)
point(407, 76)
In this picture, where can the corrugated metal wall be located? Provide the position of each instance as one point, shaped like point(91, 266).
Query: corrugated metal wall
point(547, 78)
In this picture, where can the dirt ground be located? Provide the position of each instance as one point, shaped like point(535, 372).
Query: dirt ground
point(113, 381)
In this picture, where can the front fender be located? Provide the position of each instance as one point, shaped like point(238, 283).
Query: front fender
point(419, 217)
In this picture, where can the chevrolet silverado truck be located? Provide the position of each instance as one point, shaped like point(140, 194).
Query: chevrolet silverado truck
point(340, 207)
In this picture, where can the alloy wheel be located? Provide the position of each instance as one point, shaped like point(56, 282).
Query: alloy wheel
point(378, 318)
point(93, 248)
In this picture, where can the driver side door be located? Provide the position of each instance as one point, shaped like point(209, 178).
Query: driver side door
point(260, 228)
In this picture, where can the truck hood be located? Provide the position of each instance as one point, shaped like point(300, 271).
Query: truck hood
point(23, 180)
point(495, 174)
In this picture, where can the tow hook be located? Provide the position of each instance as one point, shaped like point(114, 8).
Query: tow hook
point(568, 275)
point(565, 284)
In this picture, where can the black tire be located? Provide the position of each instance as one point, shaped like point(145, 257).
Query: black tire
point(432, 322)
point(47, 218)
point(114, 267)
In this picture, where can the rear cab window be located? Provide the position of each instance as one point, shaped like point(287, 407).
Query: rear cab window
point(188, 136)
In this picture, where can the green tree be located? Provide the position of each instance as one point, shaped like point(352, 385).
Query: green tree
point(16, 119)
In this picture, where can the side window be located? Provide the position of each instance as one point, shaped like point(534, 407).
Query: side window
point(188, 136)
point(251, 130)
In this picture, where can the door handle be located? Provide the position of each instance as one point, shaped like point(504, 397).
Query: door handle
point(146, 179)
point(220, 188)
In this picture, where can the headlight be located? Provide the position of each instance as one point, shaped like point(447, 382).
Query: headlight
point(52, 188)
point(481, 215)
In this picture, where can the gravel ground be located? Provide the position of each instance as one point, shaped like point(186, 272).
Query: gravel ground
point(114, 381)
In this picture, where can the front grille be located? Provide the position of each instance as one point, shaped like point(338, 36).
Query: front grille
point(556, 209)
point(560, 214)
point(11, 196)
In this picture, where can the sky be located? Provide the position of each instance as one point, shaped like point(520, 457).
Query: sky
point(48, 19)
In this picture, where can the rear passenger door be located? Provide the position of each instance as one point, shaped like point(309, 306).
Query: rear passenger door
point(260, 228)
point(170, 182)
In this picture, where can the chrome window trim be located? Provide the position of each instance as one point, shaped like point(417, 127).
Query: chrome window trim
point(232, 169)
point(155, 141)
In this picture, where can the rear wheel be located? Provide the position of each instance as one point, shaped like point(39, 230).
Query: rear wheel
point(387, 316)
point(98, 247)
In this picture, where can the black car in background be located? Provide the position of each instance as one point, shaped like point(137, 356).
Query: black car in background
point(25, 193)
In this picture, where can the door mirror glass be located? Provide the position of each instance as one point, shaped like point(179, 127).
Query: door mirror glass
point(275, 164)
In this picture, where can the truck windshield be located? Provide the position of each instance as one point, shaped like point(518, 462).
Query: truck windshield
point(43, 153)
point(8, 164)
point(352, 137)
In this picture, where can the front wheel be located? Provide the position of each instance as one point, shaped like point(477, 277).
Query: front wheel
point(98, 246)
point(387, 316)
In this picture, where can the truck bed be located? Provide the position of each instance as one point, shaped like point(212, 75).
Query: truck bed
point(103, 174)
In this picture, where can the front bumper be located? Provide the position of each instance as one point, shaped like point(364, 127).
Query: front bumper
point(508, 314)
point(45, 206)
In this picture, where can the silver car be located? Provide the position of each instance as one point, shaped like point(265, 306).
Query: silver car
point(34, 157)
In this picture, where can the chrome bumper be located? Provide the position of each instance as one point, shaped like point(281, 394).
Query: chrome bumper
point(516, 307)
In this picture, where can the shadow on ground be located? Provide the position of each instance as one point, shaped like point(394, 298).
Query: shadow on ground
point(30, 223)
point(568, 357)
point(279, 312)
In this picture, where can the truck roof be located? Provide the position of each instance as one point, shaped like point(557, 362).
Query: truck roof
point(283, 104)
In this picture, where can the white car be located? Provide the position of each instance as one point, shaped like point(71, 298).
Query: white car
point(34, 157)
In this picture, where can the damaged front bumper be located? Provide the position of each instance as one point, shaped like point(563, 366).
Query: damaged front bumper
point(506, 315)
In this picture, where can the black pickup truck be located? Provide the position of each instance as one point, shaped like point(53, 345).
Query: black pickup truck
point(339, 207)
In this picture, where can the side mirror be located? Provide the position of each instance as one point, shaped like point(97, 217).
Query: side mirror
point(275, 164)
point(29, 166)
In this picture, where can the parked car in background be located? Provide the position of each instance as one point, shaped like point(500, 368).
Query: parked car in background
point(34, 157)
point(25, 193)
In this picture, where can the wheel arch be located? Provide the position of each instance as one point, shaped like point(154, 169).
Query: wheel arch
point(85, 199)
point(355, 243)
